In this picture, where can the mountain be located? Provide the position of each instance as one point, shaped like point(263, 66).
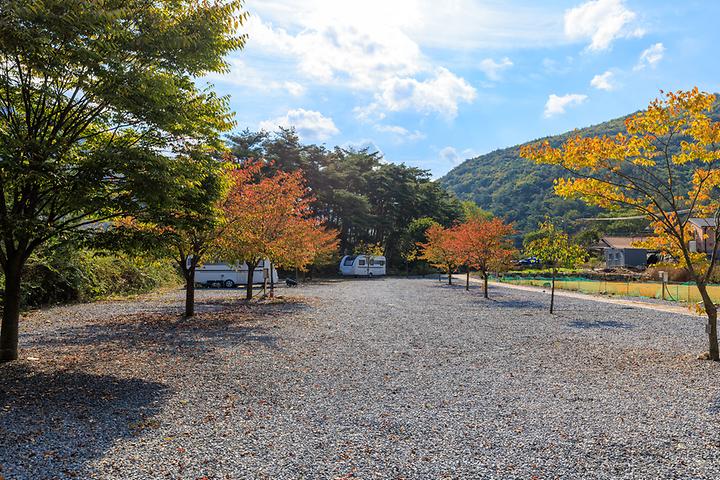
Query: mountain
point(521, 191)
point(518, 190)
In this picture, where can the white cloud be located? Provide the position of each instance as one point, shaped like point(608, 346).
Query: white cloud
point(309, 124)
point(370, 145)
point(441, 94)
point(556, 105)
point(603, 81)
point(450, 155)
point(294, 88)
point(338, 53)
point(367, 53)
point(401, 133)
point(493, 69)
point(601, 22)
point(459, 24)
point(243, 75)
point(650, 56)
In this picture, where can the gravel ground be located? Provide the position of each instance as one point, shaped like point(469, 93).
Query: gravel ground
point(388, 378)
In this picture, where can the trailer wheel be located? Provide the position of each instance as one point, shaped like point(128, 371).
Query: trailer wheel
point(228, 283)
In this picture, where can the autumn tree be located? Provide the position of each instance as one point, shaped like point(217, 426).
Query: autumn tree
point(484, 245)
point(269, 217)
point(308, 242)
point(95, 100)
point(439, 249)
point(645, 172)
point(554, 249)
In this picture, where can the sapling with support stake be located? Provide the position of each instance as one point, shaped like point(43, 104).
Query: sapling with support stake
point(665, 168)
point(554, 249)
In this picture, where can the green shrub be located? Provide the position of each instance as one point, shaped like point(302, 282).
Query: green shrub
point(64, 275)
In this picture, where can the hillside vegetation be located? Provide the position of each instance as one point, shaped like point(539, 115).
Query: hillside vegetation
point(520, 191)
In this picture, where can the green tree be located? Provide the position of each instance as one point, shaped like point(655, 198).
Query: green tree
point(96, 100)
point(554, 249)
point(413, 235)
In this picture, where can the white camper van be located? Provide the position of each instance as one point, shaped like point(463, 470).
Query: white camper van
point(360, 266)
point(229, 276)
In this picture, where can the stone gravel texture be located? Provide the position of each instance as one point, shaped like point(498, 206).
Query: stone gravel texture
point(383, 378)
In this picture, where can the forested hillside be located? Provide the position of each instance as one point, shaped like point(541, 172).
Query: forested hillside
point(518, 190)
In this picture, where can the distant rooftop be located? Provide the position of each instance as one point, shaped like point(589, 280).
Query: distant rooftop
point(620, 242)
point(702, 222)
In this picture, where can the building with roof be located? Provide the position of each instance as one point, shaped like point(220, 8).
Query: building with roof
point(622, 251)
point(704, 230)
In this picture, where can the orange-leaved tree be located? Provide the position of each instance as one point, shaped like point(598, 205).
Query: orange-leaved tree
point(310, 242)
point(268, 217)
point(439, 250)
point(665, 168)
point(484, 245)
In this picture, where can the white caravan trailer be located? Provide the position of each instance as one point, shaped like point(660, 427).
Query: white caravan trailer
point(226, 275)
point(358, 265)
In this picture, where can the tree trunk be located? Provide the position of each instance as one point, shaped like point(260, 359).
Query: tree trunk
point(190, 291)
point(467, 280)
point(485, 285)
point(449, 276)
point(272, 281)
point(711, 311)
point(11, 311)
point(552, 292)
point(249, 286)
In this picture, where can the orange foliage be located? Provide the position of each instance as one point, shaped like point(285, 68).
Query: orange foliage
point(271, 217)
point(482, 244)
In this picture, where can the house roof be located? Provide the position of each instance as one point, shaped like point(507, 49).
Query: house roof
point(702, 222)
point(620, 242)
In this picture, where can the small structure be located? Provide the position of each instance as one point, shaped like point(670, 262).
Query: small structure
point(621, 252)
point(362, 266)
point(704, 230)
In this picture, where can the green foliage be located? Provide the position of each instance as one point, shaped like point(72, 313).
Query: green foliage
point(472, 211)
point(553, 248)
point(521, 191)
point(95, 94)
point(367, 200)
point(64, 275)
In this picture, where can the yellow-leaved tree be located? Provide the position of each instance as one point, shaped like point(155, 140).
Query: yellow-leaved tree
point(666, 168)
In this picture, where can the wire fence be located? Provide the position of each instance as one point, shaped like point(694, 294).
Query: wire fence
point(681, 292)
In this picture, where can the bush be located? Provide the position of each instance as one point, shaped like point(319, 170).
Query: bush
point(64, 275)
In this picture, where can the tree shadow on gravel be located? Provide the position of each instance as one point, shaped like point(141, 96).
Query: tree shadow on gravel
point(52, 423)
point(219, 325)
point(600, 324)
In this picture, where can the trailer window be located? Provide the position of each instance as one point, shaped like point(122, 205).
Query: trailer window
point(381, 263)
point(349, 261)
point(361, 262)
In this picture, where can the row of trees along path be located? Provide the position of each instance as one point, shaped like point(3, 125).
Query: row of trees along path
point(481, 244)
point(109, 142)
point(100, 118)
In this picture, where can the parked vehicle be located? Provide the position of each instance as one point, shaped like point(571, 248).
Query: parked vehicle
point(362, 266)
point(229, 276)
point(530, 261)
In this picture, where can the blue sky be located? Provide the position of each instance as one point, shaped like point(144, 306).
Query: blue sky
point(432, 83)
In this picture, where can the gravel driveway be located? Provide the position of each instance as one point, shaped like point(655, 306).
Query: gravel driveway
point(386, 378)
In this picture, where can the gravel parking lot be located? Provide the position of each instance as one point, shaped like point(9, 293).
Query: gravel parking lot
point(384, 378)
